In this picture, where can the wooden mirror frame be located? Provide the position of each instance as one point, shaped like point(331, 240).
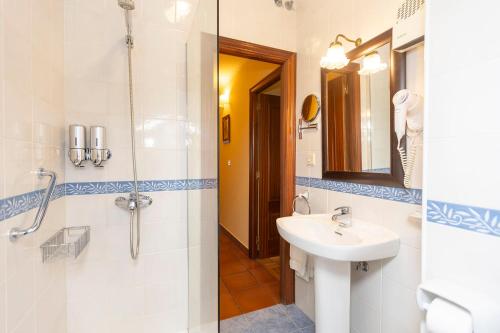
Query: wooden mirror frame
point(397, 82)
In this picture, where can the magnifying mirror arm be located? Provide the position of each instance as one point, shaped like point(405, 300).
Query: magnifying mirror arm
point(307, 127)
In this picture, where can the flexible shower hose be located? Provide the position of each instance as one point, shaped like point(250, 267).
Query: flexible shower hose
point(135, 233)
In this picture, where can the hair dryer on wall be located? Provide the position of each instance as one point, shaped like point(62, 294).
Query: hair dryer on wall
point(409, 121)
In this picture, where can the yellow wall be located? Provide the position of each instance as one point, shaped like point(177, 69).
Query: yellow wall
point(239, 75)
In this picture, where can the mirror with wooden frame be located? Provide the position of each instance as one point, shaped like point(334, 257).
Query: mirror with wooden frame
point(359, 143)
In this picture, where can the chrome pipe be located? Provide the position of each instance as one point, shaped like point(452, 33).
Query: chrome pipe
point(16, 233)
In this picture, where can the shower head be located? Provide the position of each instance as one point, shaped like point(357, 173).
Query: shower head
point(126, 4)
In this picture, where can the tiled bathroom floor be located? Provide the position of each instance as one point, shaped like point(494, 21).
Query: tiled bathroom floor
point(275, 319)
point(246, 285)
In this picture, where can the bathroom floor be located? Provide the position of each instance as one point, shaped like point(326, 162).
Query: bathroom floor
point(246, 285)
point(276, 319)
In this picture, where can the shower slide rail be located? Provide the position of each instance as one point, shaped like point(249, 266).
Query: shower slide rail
point(16, 233)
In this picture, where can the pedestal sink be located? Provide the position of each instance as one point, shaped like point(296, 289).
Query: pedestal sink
point(333, 249)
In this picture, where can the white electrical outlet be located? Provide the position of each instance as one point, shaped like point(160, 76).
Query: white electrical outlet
point(311, 159)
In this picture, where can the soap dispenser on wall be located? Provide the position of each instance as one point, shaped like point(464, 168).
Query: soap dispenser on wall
point(98, 150)
point(77, 145)
point(79, 151)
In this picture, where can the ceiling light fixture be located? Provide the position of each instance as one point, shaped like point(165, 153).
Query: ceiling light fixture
point(335, 57)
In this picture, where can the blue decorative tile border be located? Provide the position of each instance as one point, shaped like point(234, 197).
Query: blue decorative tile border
point(144, 186)
point(12, 206)
point(470, 218)
point(22, 203)
point(410, 196)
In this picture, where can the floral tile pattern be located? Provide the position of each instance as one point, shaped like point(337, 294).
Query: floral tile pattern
point(12, 206)
point(22, 203)
point(411, 196)
point(276, 319)
point(476, 219)
point(144, 186)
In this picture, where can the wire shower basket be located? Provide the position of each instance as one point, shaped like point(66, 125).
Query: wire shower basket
point(67, 242)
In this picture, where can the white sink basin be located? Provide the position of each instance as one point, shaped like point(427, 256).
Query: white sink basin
point(316, 234)
point(333, 249)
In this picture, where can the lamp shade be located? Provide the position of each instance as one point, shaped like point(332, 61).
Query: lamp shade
point(372, 63)
point(335, 57)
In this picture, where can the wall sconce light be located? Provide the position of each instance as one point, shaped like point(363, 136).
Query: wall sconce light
point(335, 57)
point(372, 63)
point(224, 97)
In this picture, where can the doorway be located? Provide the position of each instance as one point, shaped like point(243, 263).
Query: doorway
point(265, 182)
point(271, 182)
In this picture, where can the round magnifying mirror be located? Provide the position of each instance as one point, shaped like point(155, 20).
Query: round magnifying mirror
point(310, 108)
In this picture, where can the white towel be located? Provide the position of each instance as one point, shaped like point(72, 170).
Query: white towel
point(300, 262)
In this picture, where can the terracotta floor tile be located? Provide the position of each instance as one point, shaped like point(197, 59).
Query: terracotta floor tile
point(245, 284)
point(275, 260)
point(274, 290)
point(223, 288)
point(240, 254)
point(262, 275)
point(231, 267)
point(254, 298)
point(227, 256)
point(249, 263)
point(228, 246)
point(239, 281)
point(224, 239)
point(228, 307)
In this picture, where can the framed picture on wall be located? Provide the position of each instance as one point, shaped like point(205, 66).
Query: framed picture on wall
point(226, 129)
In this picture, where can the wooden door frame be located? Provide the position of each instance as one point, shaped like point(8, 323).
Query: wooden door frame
point(288, 62)
point(253, 219)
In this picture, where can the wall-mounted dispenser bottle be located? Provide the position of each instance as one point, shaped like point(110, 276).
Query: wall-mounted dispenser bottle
point(77, 150)
point(98, 151)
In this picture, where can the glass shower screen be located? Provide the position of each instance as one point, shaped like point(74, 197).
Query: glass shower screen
point(202, 214)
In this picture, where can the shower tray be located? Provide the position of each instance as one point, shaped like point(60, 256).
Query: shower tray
point(66, 243)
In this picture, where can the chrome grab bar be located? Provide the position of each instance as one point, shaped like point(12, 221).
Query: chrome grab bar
point(16, 233)
point(301, 196)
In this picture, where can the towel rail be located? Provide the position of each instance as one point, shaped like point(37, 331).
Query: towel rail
point(304, 197)
point(16, 233)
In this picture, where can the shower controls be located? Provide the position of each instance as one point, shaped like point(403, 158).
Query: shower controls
point(79, 150)
point(98, 151)
point(130, 203)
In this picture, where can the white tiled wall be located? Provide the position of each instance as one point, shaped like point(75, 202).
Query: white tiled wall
point(31, 92)
point(32, 295)
point(259, 21)
point(97, 86)
point(64, 62)
point(463, 139)
point(383, 299)
point(107, 291)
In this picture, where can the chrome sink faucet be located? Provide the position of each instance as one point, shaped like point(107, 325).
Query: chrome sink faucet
point(344, 217)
